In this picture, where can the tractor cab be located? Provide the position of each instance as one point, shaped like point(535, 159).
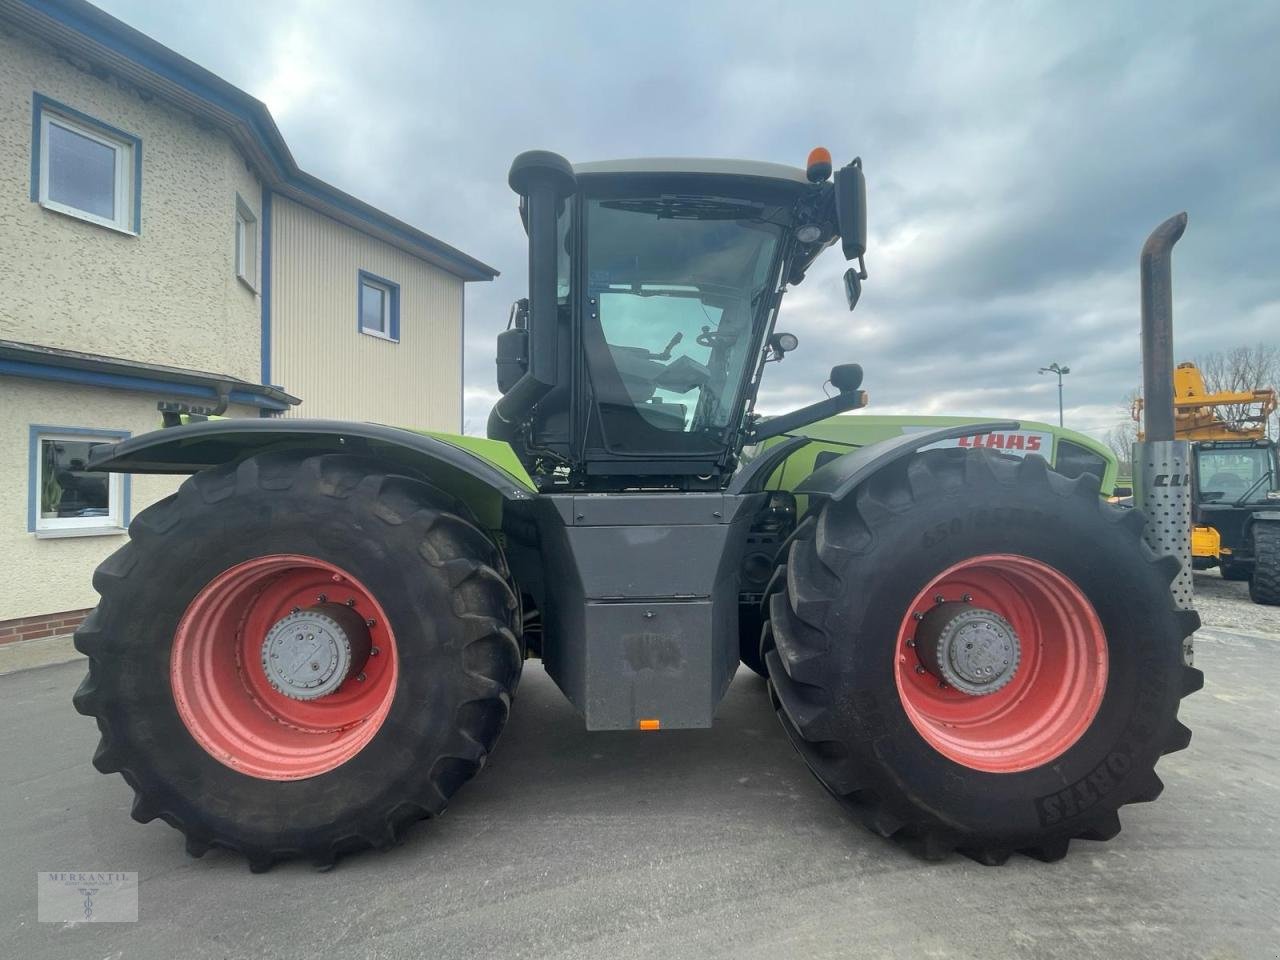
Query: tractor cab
point(654, 287)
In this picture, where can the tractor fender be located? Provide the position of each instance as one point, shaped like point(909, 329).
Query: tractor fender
point(837, 479)
point(457, 465)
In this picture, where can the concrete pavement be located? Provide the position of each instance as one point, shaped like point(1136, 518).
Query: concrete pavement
point(670, 845)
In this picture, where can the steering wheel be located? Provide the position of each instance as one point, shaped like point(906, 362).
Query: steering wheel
point(1229, 482)
point(709, 337)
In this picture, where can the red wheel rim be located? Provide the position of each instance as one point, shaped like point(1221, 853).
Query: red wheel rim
point(1056, 690)
point(222, 691)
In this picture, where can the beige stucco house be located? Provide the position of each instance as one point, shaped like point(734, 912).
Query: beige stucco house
point(159, 245)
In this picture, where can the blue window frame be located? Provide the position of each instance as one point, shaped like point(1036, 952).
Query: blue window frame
point(378, 306)
point(85, 168)
point(65, 500)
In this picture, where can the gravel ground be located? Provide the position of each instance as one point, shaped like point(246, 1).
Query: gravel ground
point(1225, 605)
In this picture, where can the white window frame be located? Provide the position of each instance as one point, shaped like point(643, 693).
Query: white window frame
point(117, 490)
point(388, 306)
point(246, 243)
point(124, 172)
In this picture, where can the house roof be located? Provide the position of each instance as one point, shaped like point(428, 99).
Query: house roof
point(83, 29)
point(71, 366)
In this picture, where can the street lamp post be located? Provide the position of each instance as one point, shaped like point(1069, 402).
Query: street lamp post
point(1060, 371)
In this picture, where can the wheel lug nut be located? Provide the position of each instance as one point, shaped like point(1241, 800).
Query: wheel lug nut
point(351, 601)
point(374, 651)
point(917, 615)
point(919, 668)
point(360, 677)
point(967, 598)
point(322, 598)
point(370, 623)
point(911, 642)
point(939, 598)
point(296, 610)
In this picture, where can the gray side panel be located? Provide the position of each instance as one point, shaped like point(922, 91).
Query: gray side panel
point(838, 478)
point(649, 661)
point(642, 509)
point(659, 560)
point(641, 618)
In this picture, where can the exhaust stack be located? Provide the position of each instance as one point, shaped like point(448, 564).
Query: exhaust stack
point(1161, 464)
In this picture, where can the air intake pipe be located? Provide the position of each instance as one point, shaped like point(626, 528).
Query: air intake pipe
point(542, 179)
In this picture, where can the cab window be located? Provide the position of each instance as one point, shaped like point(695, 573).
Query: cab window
point(1072, 460)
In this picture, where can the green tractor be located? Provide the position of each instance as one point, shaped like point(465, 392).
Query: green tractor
point(316, 641)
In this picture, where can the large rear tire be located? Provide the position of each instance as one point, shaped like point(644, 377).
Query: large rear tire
point(1264, 586)
point(1072, 730)
point(233, 756)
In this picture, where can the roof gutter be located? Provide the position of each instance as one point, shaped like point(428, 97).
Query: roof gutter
point(45, 363)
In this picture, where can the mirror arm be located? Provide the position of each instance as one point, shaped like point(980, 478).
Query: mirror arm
point(776, 426)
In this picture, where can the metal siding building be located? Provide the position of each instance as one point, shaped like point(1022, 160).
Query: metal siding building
point(316, 346)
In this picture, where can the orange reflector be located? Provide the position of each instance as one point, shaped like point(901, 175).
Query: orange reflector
point(818, 167)
point(650, 724)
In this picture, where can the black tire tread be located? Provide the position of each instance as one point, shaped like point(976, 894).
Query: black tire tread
point(796, 647)
point(1264, 585)
point(485, 604)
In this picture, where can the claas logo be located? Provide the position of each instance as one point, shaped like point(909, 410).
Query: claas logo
point(1026, 442)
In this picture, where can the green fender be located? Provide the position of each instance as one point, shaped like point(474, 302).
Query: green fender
point(841, 435)
point(485, 474)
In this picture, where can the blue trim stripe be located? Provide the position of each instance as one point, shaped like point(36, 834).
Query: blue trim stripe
point(121, 381)
point(361, 277)
point(35, 431)
point(264, 284)
point(40, 103)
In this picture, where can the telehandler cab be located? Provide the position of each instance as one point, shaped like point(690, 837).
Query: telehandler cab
point(315, 642)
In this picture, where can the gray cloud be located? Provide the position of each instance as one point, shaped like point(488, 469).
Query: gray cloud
point(1016, 159)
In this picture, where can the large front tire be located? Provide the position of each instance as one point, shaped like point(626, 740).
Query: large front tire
point(1075, 728)
point(178, 679)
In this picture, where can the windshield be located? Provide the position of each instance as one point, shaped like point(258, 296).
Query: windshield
point(675, 286)
point(1227, 475)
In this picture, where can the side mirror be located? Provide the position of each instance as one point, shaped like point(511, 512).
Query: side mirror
point(851, 218)
point(851, 210)
point(852, 286)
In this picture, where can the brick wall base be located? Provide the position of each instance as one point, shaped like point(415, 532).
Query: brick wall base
point(45, 625)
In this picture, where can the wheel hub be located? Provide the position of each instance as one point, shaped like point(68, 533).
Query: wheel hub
point(970, 648)
point(310, 653)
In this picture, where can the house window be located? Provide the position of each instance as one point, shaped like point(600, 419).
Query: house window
point(378, 309)
point(65, 498)
point(246, 244)
point(86, 169)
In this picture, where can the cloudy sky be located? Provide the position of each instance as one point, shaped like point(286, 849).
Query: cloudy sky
point(1016, 158)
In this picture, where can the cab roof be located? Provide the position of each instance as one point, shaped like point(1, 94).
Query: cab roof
point(756, 169)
